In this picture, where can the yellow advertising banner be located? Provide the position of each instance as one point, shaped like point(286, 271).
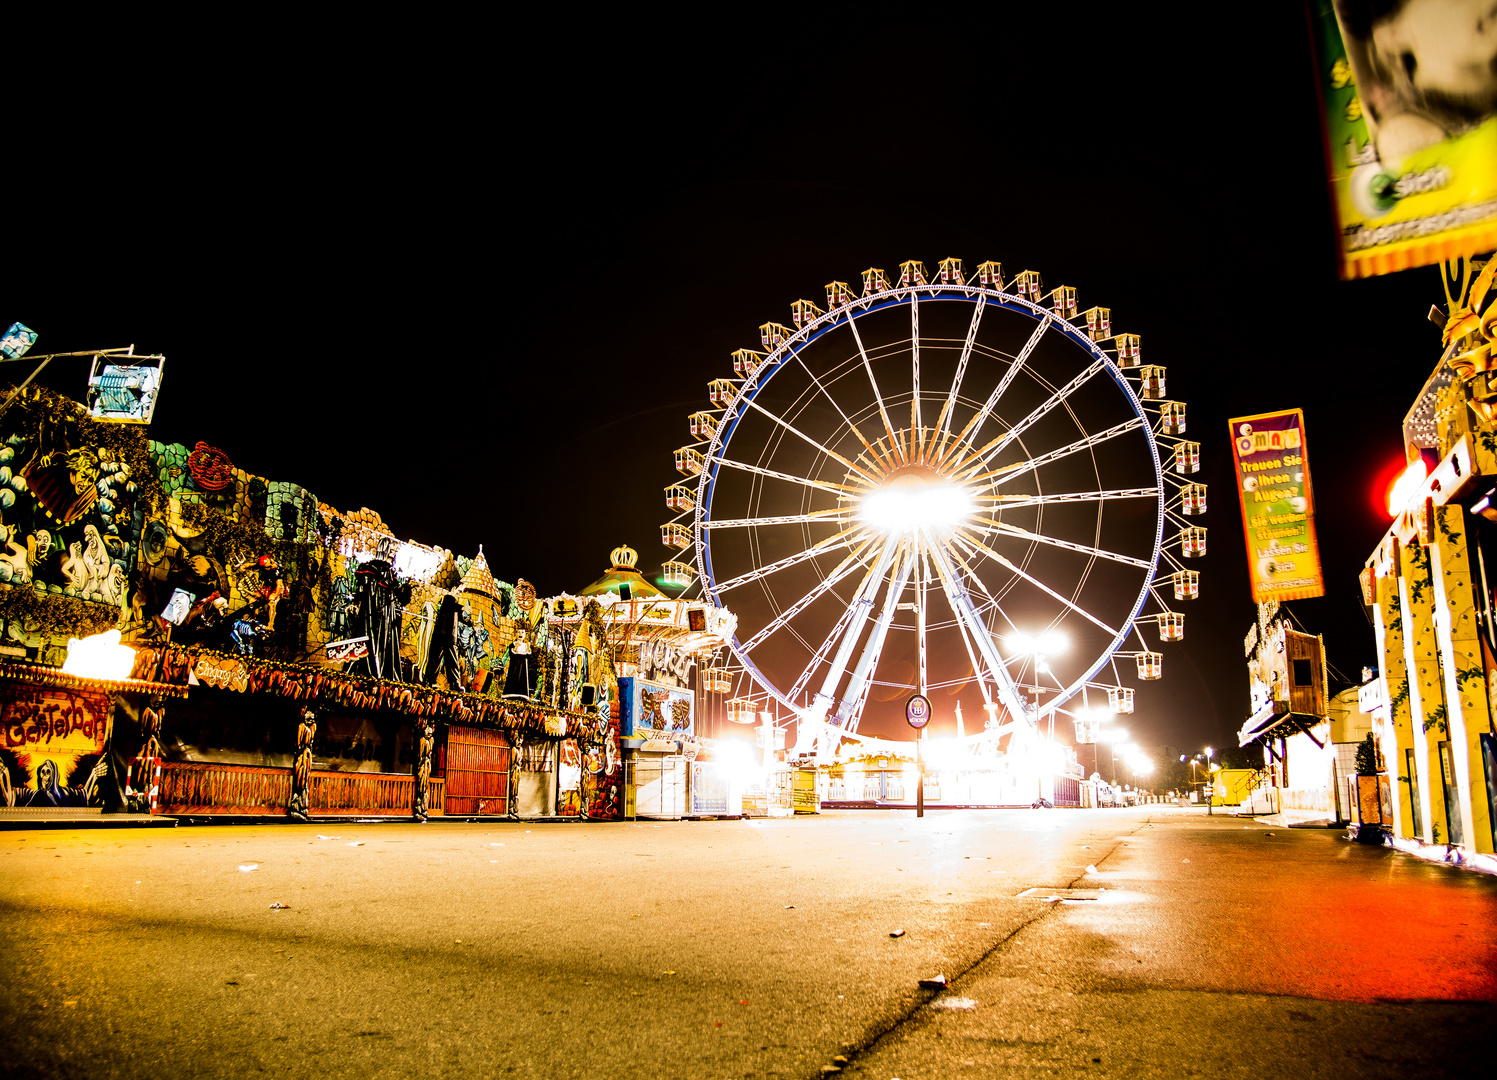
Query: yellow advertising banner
point(1407, 93)
point(1278, 509)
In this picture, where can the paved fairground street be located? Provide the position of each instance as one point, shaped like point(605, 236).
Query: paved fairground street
point(1190, 946)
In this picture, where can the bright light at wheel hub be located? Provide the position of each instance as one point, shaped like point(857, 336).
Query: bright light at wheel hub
point(915, 498)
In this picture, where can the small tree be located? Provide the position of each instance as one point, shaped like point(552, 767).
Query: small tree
point(1367, 756)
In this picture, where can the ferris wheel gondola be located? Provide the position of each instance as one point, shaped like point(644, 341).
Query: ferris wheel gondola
point(934, 483)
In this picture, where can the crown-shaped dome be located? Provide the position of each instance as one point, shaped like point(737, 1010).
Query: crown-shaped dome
point(624, 572)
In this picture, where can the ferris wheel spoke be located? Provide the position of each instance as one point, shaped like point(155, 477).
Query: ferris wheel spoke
point(802, 435)
point(915, 355)
point(1040, 538)
point(1007, 472)
point(977, 459)
point(843, 539)
point(961, 605)
point(844, 568)
point(853, 427)
point(1013, 502)
point(943, 421)
point(1036, 582)
point(837, 514)
point(982, 414)
point(894, 444)
point(759, 470)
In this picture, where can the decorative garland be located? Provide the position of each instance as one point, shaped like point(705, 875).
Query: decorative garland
point(56, 616)
point(46, 676)
point(304, 682)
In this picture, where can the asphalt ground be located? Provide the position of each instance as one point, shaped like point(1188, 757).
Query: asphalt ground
point(1212, 947)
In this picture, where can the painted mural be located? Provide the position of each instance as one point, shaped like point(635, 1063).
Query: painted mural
point(228, 580)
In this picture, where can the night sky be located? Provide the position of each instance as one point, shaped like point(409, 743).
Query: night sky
point(477, 282)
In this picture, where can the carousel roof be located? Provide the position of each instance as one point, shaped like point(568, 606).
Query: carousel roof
point(623, 572)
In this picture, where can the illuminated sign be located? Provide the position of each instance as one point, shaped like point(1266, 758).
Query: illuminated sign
point(1278, 509)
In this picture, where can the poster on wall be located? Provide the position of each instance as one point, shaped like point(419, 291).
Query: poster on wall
point(650, 710)
point(1408, 96)
point(1278, 510)
point(52, 744)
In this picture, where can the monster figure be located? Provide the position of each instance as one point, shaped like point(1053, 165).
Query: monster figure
point(64, 483)
point(243, 633)
point(264, 585)
point(337, 609)
point(377, 607)
point(425, 740)
point(472, 641)
point(301, 770)
point(50, 792)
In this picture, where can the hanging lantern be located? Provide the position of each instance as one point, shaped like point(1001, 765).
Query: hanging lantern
point(721, 391)
point(747, 361)
point(1187, 584)
point(804, 313)
point(1150, 666)
point(703, 425)
point(773, 334)
point(1028, 285)
point(1171, 626)
point(990, 274)
point(1193, 499)
point(875, 281)
point(1063, 301)
point(1151, 382)
point(717, 680)
point(1120, 700)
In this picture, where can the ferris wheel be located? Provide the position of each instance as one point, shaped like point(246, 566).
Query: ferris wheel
point(945, 483)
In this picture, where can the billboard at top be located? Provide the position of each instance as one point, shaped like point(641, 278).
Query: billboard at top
point(1408, 95)
point(1278, 510)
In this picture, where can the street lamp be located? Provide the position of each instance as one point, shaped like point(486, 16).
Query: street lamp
point(1037, 647)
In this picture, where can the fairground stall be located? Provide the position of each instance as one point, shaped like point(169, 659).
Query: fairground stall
point(282, 658)
point(1428, 587)
point(970, 771)
point(638, 654)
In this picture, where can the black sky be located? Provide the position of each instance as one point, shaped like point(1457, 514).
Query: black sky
point(475, 277)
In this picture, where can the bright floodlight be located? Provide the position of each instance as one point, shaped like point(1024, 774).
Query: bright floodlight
point(1049, 643)
point(911, 501)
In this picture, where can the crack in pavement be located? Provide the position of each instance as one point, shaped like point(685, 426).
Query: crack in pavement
point(900, 1021)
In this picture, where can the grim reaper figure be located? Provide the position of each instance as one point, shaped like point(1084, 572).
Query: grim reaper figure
point(376, 610)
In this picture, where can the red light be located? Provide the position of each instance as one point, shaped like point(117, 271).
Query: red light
point(1408, 484)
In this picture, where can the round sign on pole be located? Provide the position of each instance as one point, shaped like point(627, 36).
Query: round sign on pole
point(917, 711)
